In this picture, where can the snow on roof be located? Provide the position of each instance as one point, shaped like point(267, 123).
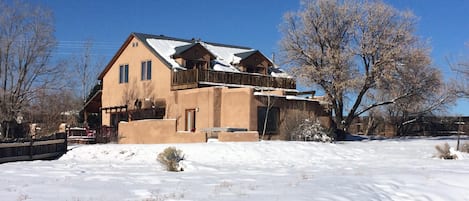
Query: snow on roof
point(225, 54)
point(166, 48)
point(277, 72)
point(288, 97)
point(220, 66)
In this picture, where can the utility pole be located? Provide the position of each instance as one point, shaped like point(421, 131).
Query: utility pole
point(460, 131)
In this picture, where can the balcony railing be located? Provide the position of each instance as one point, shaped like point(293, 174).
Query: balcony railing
point(195, 78)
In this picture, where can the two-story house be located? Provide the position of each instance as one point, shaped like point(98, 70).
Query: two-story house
point(159, 89)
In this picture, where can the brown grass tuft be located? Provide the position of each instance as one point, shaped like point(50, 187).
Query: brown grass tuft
point(444, 152)
point(171, 157)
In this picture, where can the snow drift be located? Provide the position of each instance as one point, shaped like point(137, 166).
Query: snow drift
point(366, 170)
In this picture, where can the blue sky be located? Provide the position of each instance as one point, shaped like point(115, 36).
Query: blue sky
point(242, 22)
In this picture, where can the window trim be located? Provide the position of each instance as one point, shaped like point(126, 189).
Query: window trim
point(123, 73)
point(145, 70)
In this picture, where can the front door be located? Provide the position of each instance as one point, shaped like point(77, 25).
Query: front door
point(190, 120)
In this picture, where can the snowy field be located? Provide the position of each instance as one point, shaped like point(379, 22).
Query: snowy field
point(365, 170)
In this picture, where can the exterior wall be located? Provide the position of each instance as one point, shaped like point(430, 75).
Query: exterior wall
point(215, 107)
point(219, 107)
point(236, 108)
point(119, 94)
point(200, 99)
point(154, 131)
point(249, 136)
point(292, 112)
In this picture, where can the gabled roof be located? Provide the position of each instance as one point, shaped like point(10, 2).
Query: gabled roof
point(165, 47)
point(245, 55)
point(142, 38)
point(181, 49)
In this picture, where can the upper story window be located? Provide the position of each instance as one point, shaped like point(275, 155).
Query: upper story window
point(124, 73)
point(193, 64)
point(146, 70)
point(255, 69)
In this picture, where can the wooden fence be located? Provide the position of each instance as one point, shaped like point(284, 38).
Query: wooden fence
point(50, 147)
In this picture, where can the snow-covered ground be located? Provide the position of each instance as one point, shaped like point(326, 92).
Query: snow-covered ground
point(365, 170)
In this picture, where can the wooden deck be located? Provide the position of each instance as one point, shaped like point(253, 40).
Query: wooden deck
point(195, 78)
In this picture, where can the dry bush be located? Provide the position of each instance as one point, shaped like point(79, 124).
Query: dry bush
point(170, 158)
point(444, 152)
point(308, 130)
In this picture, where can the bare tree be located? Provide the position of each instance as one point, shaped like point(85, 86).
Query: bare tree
point(351, 49)
point(53, 107)
point(462, 69)
point(427, 95)
point(26, 44)
point(269, 105)
point(86, 68)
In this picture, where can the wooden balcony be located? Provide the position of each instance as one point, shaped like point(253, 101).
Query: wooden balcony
point(197, 78)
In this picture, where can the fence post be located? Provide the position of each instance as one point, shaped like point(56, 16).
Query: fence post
point(65, 142)
point(31, 149)
point(460, 123)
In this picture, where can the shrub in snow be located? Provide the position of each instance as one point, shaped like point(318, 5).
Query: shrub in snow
point(445, 152)
point(313, 131)
point(170, 158)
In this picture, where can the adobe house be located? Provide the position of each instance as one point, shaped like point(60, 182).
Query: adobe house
point(159, 89)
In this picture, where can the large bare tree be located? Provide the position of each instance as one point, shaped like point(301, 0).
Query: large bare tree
point(462, 70)
point(429, 94)
point(26, 43)
point(352, 50)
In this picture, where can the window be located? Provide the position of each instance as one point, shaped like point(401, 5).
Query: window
point(271, 126)
point(190, 120)
point(124, 73)
point(193, 64)
point(255, 69)
point(146, 70)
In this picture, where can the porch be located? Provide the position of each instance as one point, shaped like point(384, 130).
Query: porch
point(195, 78)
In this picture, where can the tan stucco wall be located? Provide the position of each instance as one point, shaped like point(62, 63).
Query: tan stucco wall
point(248, 136)
point(220, 107)
point(200, 99)
point(118, 94)
point(236, 108)
point(155, 131)
point(215, 107)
